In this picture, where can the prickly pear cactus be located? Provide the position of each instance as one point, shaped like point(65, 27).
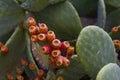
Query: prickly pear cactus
point(11, 60)
point(95, 49)
point(110, 71)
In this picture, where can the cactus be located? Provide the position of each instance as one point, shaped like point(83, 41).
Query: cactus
point(65, 24)
point(94, 53)
point(11, 60)
point(40, 40)
point(112, 20)
point(110, 71)
point(12, 18)
point(31, 73)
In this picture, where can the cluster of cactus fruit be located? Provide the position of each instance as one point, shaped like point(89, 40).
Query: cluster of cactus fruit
point(54, 47)
point(51, 42)
point(59, 52)
point(116, 42)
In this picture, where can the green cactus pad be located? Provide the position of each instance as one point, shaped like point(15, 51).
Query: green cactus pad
point(110, 71)
point(112, 20)
point(85, 7)
point(30, 73)
point(74, 71)
point(10, 16)
point(16, 45)
point(35, 5)
point(62, 18)
point(95, 49)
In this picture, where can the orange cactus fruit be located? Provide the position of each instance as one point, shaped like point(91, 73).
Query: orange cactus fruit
point(114, 29)
point(31, 21)
point(32, 66)
point(59, 61)
point(50, 35)
point(19, 77)
point(4, 49)
point(33, 30)
point(56, 53)
point(116, 43)
point(42, 37)
point(46, 49)
point(70, 52)
point(43, 28)
point(66, 62)
point(56, 43)
point(60, 78)
point(19, 70)
point(64, 45)
point(34, 38)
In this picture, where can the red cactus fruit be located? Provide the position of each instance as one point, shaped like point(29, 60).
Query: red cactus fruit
point(33, 30)
point(19, 77)
point(32, 66)
point(31, 21)
point(34, 38)
point(64, 45)
point(43, 28)
point(56, 53)
point(114, 29)
point(66, 62)
point(9, 76)
point(51, 35)
point(46, 49)
point(59, 61)
point(4, 49)
point(60, 78)
point(24, 62)
point(70, 52)
point(1, 44)
point(41, 73)
point(42, 37)
point(56, 43)
point(19, 70)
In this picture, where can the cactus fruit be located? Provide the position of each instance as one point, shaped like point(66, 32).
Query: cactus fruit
point(12, 59)
point(110, 71)
point(95, 49)
point(31, 68)
point(71, 72)
point(115, 33)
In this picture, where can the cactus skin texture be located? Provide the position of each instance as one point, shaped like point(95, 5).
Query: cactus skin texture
point(110, 71)
point(95, 49)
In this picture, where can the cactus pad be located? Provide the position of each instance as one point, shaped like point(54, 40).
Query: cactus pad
point(110, 71)
point(16, 45)
point(95, 49)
